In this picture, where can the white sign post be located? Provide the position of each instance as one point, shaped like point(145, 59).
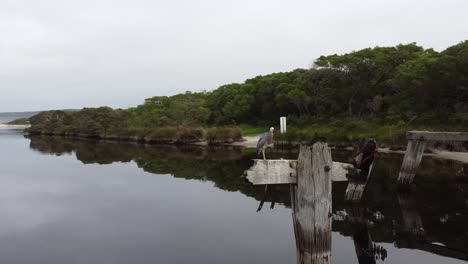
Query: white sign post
point(283, 124)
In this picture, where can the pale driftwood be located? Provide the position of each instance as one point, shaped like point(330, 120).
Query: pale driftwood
point(413, 155)
point(284, 172)
point(437, 136)
point(355, 190)
point(311, 202)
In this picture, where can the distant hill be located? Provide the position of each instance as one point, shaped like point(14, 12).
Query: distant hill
point(6, 117)
point(10, 116)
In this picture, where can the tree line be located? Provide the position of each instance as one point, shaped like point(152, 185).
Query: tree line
point(404, 84)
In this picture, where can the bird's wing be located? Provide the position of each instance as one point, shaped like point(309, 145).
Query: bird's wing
point(261, 142)
point(270, 138)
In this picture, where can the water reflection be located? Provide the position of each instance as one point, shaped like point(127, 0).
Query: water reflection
point(432, 217)
point(217, 165)
point(367, 252)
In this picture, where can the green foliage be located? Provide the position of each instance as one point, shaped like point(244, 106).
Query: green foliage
point(250, 130)
point(346, 96)
point(219, 135)
point(104, 122)
point(19, 121)
point(182, 109)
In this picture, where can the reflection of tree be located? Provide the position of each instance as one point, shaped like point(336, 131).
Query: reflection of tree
point(222, 166)
point(438, 193)
point(51, 145)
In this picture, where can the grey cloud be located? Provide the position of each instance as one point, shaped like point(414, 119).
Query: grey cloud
point(71, 54)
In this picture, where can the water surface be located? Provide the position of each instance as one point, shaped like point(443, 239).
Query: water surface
point(85, 201)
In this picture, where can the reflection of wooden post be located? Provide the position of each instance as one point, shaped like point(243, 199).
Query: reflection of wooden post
point(411, 220)
point(363, 243)
point(366, 251)
point(311, 203)
point(413, 155)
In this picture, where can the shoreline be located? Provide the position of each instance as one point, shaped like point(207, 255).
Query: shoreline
point(14, 126)
point(251, 142)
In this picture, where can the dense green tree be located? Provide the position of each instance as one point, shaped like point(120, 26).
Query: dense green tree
point(399, 85)
point(367, 71)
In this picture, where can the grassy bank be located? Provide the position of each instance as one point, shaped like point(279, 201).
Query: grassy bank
point(250, 130)
point(107, 123)
point(347, 131)
point(162, 135)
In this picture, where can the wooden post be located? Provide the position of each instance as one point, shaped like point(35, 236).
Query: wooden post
point(357, 185)
point(415, 150)
point(355, 189)
point(413, 155)
point(311, 203)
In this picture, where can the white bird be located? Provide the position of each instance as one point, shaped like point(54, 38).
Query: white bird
point(265, 141)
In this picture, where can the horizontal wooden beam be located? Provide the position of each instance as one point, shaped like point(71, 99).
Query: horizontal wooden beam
point(284, 172)
point(437, 136)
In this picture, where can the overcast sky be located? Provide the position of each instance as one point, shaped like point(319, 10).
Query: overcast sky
point(71, 54)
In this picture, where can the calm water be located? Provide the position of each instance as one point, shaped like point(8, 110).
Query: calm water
point(82, 201)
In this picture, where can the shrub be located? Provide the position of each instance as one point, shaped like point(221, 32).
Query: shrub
point(219, 135)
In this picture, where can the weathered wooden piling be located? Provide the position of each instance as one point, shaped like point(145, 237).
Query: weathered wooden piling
point(355, 189)
point(357, 183)
point(417, 141)
point(311, 204)
point(413, 156)
point(310, 179)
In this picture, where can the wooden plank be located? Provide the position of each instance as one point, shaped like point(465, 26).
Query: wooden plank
point(312, 205)
point(272, 172)
point(355, 190)
point(284, 172)
point(437, 136)
point(413, 155)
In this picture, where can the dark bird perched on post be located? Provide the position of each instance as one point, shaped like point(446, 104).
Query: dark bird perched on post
point(265, 141)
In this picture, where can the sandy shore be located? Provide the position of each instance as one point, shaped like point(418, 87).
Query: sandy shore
point(249, 142)
point(438, 154)
point(6, 126)
point(458, 156)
